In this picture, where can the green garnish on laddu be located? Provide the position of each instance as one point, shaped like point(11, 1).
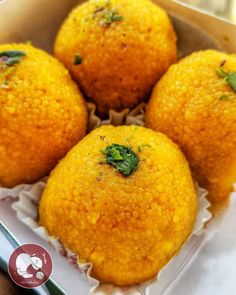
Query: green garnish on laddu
point(224, 97)
point(107, 15)
point(8, 59)
point(142, 146)
point(77, 59)
point(11, 57)
point(122, 158)
point(228, 77)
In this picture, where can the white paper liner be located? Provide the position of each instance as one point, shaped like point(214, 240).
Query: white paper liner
point(26, 205)
point(126, 117)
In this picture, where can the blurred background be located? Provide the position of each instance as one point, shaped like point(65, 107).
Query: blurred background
point(222, 8)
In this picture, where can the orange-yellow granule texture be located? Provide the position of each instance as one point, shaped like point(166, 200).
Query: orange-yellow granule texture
point(121, 60)
point(42, 115)
point(197, 110)
point(128, 227)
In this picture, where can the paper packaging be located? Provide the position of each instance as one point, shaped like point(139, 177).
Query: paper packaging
point(38, 22)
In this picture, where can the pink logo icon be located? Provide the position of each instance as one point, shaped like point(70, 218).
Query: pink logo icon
point(30, 266)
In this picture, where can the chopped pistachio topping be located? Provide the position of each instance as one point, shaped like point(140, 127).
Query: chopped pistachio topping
point(77, 59)
point(142, 146)
point(4, 85)
point(221, 73)
point(229, 77)
point(11, 57)
point(8, 59)
point(122, 158)
point(99, 177)
point(107, 15)
point(110, 16)
point(224, 97)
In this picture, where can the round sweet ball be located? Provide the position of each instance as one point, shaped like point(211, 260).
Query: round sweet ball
point(42, 113)
point(123, 199)
point(195, 105)
point(117, 50)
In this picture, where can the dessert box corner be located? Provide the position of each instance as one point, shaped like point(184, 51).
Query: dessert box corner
point(205, 272)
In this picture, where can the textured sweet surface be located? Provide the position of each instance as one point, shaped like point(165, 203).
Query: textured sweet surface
point(42, 115)
point(128, 227)
point(121, 61)
point(197, 109)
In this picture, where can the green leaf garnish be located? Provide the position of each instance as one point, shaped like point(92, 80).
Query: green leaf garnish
point(77, 59)
point(221, 73)
point(229, 77)
point(122, 158)
point(115, 153)
point(11, 57)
